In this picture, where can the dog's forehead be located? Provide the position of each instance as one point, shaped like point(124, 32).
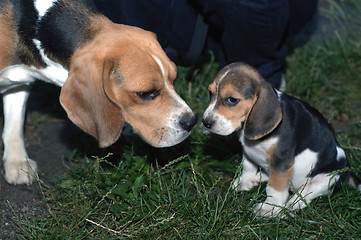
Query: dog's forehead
point(139, 61)
point(138, 77)
point(139, 71)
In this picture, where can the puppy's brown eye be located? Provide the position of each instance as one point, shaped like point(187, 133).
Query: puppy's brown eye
point(148, 95)
point(231, 101)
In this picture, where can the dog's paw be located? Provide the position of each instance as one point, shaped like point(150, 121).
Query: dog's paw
point(267, 210)
point(245, 182)
point(20, 172)
point(296, 202)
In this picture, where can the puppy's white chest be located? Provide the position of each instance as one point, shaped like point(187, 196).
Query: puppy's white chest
point(256, 151)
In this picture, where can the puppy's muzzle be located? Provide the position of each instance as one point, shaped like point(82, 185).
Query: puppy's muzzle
point(188, 121)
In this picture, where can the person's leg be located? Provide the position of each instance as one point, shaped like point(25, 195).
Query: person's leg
point(256, 32)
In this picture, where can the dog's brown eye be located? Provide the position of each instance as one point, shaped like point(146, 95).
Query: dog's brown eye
point(148, 95)
point(231, 101)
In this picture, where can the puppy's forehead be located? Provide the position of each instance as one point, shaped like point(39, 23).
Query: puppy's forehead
point(235, 71)
point(241, 77)
point(228, 90)
point(237, 79)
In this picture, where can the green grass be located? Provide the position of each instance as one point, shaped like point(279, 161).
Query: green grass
point(184, 192)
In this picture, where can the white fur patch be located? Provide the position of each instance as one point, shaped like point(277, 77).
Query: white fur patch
point(273, 204)
point(249, 178)
point(276, 197)
point(308, 188)
point(42, 6)
point(304, 163)
point(54, 72)
point(222, 77)
point(313, 187)
point(181, 102)
point(279, 94)
point(18, 168)
point(221, 125)
point(340, 154)
point(257, 150)
point(17, 75)
point(210, 110)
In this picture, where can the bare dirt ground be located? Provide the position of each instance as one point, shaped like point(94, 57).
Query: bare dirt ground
point(20, 201)
point(47, 141)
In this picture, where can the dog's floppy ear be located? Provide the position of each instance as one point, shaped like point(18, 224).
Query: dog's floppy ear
point(265, 114)
point(85, 101)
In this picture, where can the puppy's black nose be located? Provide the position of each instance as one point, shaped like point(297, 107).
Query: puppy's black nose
point(187, 122)
point(207, 122)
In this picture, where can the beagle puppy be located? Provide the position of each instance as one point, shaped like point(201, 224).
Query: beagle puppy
point(285, 141)
point(109, 73)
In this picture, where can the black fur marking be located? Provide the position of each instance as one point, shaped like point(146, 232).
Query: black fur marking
point(25, 24)
point(304, 127)
point(64, 28)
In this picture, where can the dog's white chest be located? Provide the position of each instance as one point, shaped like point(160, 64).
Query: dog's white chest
point(256, 151)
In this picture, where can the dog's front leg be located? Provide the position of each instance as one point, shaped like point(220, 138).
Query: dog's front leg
point(19, 169)
point(251, 177)
point(277, 193)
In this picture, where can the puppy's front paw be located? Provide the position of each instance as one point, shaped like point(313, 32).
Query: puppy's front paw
point(20, 172)
point(246, 182)
point(267, 210)
point(296, 202)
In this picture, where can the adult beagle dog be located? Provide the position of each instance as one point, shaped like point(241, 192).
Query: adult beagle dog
point(286, 138)
point(109, 73)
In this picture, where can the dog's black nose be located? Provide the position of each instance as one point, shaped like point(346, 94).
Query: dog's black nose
point(207, 122)
point(187, 122)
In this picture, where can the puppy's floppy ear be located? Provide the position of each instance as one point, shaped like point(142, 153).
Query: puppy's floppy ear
point(85, 101)
point(265, 114)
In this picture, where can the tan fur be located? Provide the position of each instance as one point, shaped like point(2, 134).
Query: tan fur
point(7, 36)
point(280, 180)
point(237, 114)
point(352, 182)
point(212, 87)
point(271, 152)
point(11, 45)
point(277, 180)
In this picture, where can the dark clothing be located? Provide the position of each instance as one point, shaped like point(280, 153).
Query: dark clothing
point(252, 31)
